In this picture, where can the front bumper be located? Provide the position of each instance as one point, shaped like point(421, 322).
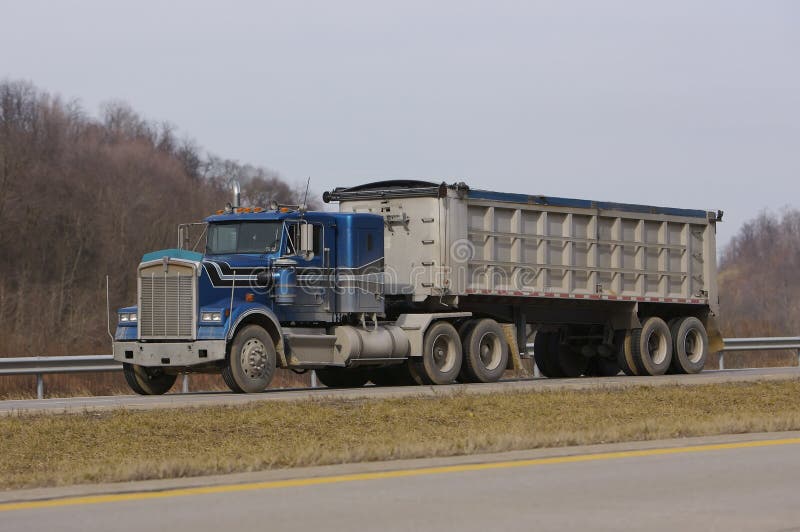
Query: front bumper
point(170, 354)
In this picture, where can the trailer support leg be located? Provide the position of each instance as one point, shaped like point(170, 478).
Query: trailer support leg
point(521, 325)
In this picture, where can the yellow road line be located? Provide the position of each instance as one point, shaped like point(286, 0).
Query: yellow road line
point(183, 492)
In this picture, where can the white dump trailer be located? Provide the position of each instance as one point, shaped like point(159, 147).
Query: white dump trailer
point(598, 286)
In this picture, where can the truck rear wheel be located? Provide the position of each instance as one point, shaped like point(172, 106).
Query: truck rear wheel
point(690, 345)
point(485, 352)
point(147, 381)
point(463, 333)
point(441, 357)
point(651, 347)
point(251, 361)
point(391, 376)
point(343, 377)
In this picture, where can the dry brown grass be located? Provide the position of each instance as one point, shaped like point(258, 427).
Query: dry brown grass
point(46, 450)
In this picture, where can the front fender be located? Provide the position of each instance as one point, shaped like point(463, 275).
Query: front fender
point(243, 311)
point(263, 314)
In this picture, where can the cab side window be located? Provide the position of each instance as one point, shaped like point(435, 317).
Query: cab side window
point(294, 236)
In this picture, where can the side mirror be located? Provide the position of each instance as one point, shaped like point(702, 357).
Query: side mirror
point(264, 279)
point(306, 240)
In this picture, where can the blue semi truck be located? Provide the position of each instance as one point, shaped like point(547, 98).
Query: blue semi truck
point(428, 283)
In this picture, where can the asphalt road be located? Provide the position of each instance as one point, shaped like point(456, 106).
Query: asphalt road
point(78, 404)
point(728, 483)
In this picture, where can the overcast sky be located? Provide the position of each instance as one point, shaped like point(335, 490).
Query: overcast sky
point(679, 103)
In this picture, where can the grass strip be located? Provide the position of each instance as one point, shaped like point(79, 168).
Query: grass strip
point(48, 450)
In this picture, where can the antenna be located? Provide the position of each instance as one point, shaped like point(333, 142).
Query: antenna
point(108, 314)
point(305, 198)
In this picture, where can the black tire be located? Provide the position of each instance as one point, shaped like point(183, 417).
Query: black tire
point(651, 347)
point(343, 377)
point(147, 381)
point(670, 323)
point(485, 352)
point(545, 354)
point(572, 363)
point(251, 361)
point(602, 367)
point(441, 357)
point(391, 376)
point(625, 354)
point(539, 345)
point(463, 332)
point(690, 345)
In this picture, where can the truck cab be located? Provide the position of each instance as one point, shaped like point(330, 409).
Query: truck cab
point(267, 292)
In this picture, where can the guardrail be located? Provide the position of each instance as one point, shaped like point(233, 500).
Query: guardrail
point(760, 344)
point(41, 366)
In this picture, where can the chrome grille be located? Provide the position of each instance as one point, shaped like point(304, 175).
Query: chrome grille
point(166, 305)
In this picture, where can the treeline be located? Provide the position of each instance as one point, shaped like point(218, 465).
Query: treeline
point(83, 197)
point(758, 281)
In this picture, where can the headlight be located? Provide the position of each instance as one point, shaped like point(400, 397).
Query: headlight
point(213, 317)
point(127, 317)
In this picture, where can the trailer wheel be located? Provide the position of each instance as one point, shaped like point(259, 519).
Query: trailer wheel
point(625, 354)
point(343, 377)
point(545, 354)
point(572, 363)
point(147, 381)
point(251, 361)
point(441, 357)
point(690, 345)
point(602, 367)
point(671, 369)
point(651, 347)
point(485, 352)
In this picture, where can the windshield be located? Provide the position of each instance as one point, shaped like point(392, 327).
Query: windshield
point(243, 237)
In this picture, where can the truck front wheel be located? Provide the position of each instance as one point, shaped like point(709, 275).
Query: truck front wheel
point(251, 361)
point(147, 381)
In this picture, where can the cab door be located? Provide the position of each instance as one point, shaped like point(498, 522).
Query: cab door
point(306, 245)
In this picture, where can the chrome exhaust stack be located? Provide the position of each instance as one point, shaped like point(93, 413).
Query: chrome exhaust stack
point(237, 193)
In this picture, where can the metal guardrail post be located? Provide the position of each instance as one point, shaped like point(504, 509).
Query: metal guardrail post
point(185, 383)
point(39, 386)
point(722, 360)
point(313, 379)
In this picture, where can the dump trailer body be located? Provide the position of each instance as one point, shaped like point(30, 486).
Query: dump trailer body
point(448, 242)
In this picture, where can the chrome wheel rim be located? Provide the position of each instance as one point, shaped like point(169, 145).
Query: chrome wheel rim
point(254, 358)
point(657, 348)
point(444, 354)
point(490, 351)
point(693, 346)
